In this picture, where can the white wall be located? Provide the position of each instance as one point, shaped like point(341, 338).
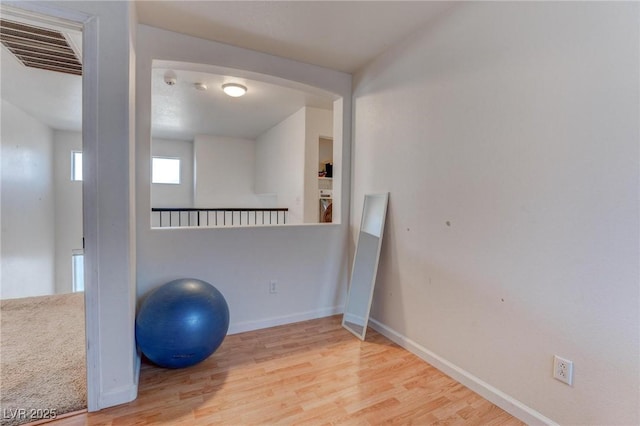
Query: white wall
point(318, 123)
point(309, 261)
point(280, 164)
point(174, 195)
point(507, 135)
point(287, 161)
point(28, 207)
point(225, 172)
point(68, 210)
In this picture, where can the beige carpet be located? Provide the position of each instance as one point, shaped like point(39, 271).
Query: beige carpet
point(42, 356)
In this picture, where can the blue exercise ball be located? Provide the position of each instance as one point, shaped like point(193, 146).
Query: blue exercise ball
point(181, 323)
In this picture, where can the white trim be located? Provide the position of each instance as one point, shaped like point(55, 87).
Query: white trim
point(118, 396)
point(90, 211)
point(241, 327)
point(499, 398)
point(67, 20)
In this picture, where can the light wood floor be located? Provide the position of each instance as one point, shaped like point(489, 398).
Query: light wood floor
point(312, 372)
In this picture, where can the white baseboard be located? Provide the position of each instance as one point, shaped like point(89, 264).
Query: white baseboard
point(118, 396)
point(497, 397)
point(241, 327)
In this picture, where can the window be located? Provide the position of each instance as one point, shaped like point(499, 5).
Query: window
point(165, 170)
point(76, 165)
point(77, 265)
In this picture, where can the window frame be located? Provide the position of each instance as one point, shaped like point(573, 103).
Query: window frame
point(74, 169)
point(160, 157)
point(77, 270)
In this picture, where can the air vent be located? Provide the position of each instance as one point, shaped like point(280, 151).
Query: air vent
point(39, 47)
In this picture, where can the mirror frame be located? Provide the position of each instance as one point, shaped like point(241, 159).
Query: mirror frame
point(367, 202)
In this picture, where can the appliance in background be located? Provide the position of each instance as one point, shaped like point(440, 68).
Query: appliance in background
point(328, 170)
point(326, 205)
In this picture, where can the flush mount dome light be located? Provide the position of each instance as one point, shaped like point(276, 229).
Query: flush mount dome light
point(234, 89)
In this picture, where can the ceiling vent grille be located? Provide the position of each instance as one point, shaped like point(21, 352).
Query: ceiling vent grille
point(39, 47)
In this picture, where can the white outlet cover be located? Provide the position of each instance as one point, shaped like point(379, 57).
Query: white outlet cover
point(563, 370)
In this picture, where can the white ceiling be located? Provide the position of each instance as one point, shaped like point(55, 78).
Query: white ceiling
point(341, 35)
point(181, 112)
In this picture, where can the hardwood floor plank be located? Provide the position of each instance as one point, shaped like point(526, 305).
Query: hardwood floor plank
point(309, 373)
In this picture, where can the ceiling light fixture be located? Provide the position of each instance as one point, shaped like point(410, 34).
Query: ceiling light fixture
point(200, 86)
point(234, 89)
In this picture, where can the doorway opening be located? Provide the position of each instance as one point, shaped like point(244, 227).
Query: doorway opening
point(42, 257)
point(325, 179)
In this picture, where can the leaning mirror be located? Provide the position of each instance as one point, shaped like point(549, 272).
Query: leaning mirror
point(365, 264)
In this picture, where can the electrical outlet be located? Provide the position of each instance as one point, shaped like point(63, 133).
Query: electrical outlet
point(273, 287)
point(563, 370)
